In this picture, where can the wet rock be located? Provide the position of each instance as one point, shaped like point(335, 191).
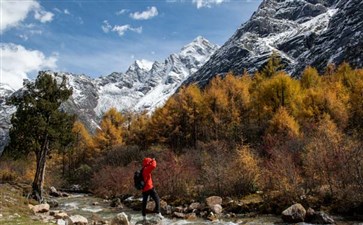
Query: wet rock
point(95, 203)
point(77, 220)
point(52, 203)
point(149, 222)
point(120, 219)
point(319, 218)
point(115, 203)
point(294, 214)
point(150, 206)
point(61, 215)
point(194, 206)
point(179, 215)
point(216, 209)
point(53, 192)
point(212, 217)
point(42, 208)
point(213, 200)
point(191, 216)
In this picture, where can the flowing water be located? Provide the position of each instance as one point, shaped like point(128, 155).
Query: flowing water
point(83, 205)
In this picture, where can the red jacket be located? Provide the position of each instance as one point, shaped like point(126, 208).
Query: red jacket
point(149, 165)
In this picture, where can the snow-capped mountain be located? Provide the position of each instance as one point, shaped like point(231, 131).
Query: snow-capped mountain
point(302, 32)
point(144, 86)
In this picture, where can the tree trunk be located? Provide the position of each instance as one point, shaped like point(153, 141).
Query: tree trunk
point(37, 186)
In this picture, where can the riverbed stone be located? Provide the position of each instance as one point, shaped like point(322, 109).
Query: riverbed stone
point(216, 209)
point(61, 215)
point(149, 222)
point(52, 203)
point(213, 200)
point(41, 208)
point(53, 192)
point(179, 215)
point(294, 214)
point(77, 220)
point(321, 218)
point(120, 219)
point(195, 206)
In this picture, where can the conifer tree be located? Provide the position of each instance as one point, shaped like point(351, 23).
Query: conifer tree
point(38, 125)
point(111, 130)
point(272, 66)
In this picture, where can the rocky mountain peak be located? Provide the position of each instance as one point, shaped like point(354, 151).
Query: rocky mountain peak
point(302, 32)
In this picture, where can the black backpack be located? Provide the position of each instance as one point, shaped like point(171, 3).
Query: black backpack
point(139, 180)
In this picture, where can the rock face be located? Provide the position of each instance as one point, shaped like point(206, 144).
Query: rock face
point(302, 32)
point(144, 86)
point(294, 214)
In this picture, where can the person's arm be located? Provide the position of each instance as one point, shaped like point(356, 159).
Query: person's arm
point(150, 167)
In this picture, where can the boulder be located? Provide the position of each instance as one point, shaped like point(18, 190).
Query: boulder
point(195, 206)
point(42, 208)
point(213, 200)
point(116, 203)
point(212, 217)
point(191, 216)
point(294, 214)
point(216, 209)
point(149, 222)
point(120, 219)
point(77, 220)
point(150, 206)
point(61, 215)
point(53, 192)
point(52, 203)
point(179, 215)
point(320, 218)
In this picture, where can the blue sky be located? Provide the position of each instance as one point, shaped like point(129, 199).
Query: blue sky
point(97, 37)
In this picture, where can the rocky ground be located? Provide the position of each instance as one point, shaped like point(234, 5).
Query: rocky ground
point(15, 209)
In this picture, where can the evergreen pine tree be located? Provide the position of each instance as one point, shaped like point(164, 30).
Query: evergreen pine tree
point(38, 125)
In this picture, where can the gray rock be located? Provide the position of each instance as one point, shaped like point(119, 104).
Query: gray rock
point(217, 209)
point(213, 200)
point(294, 214)
point(194, 206)
point(77, 220)
point(179, 215)
point(149, 222)
point(41, 208)
point(120, 219)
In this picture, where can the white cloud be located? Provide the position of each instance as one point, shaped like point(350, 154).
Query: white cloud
point(17, 62)
point(122, 11)
point(43, 16)
point(121, 30)
point(106, 27)
point(66, 12)
point(145, 15)
point(14, 12)
point(207, 3)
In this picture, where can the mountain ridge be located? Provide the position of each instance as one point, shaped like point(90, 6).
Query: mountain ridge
point(302, 32)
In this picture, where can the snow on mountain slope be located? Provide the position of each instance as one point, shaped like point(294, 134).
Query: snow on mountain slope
point(302, 32)
point(144, 86)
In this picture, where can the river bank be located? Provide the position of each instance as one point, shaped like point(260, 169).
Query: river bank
point(14, 210)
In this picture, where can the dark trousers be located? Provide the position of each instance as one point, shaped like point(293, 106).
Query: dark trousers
point(145, 195)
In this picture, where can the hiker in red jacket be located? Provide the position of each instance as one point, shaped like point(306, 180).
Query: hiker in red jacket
point(149, 165)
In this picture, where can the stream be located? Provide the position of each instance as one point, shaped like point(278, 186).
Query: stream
point(81, 204)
